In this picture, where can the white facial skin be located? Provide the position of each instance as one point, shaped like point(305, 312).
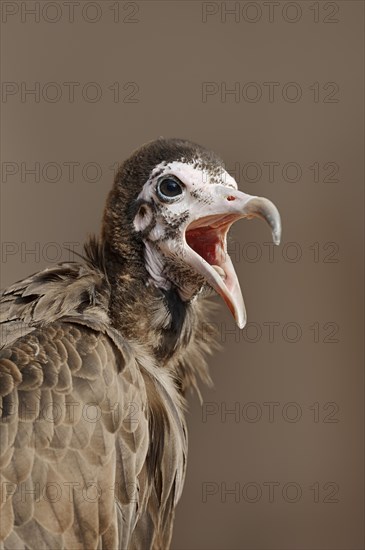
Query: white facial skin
point(202, 215)
point(194, 180)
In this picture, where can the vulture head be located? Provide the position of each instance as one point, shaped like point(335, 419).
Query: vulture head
point(168, 216)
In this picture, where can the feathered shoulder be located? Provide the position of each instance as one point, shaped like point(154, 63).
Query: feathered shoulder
point(80, 292)
point(73, 291)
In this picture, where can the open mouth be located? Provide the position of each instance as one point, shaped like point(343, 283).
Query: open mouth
point(206, 251)
point(206, 245)
point(207, 237)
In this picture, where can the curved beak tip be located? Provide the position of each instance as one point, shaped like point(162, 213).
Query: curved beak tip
point(276, 237)
point(241, 323)
point(265, 209)
point(241, 318)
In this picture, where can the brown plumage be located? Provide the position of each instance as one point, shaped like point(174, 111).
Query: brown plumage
point(96, 358)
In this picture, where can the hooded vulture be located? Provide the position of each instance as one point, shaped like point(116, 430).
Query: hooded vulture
point(97, 356)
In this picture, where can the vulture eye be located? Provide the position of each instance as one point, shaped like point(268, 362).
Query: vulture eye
point(169, 189)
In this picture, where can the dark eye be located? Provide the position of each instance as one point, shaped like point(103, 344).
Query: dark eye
point(169, 189)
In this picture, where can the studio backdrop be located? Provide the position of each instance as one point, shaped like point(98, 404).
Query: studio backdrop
point(276, 89)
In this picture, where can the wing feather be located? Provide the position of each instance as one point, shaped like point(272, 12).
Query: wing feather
point(92, 445)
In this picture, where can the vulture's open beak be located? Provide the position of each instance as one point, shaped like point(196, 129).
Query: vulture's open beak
point(206, 240)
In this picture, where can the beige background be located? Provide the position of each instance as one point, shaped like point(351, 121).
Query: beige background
point(162, 60)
